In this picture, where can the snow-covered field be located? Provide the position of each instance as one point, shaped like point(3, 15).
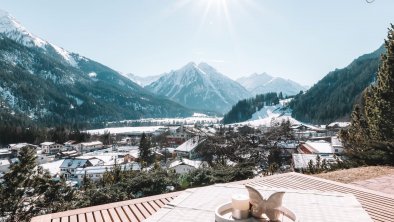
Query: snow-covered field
point(197, 118)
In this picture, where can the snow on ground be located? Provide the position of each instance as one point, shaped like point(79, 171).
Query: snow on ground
point(117, 130)
point(196, 118)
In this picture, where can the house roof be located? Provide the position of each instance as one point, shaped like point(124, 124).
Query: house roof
point(378, 205)
point(47, 143)
point(194, 163)
point(320, 146)
point(189, 145)
point(73, 163)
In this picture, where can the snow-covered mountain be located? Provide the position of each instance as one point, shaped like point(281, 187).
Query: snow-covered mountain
point(199, 87)
point(142, 81)
point(46, 83)
point(264, 83)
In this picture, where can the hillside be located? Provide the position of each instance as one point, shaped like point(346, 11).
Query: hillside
point(333, 97)
point(68, 88)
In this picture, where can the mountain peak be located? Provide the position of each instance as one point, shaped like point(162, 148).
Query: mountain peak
point(14, 30)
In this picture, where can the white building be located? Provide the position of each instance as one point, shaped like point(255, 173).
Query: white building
point(69, 167)
point(89, 146)
point(51, 147)
point(95, 173)
point(185, 165)
point(187, 149)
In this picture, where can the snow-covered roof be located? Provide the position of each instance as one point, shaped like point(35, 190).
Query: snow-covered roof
point(52, 167)
point(20, 145)
point(339, 124)
point(194, 163)
point(189, 145)
point(4, 162)
point(103, 169)
point(93, 143)
point(73, 163)
point(320, 146)
point(47, 143)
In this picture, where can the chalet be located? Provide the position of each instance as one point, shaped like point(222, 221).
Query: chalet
point(187, 149)
point(51, 147)
point(69, 167)
point(183, 165)
point(89, 146)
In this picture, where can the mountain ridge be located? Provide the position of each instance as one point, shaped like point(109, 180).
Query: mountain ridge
point(264, 83)
point(199, 87)
point(68, 88)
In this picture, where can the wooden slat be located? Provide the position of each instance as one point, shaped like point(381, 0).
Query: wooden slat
point(137, 213)
point(130, 214)
point(154, 205)
point(64, 219)
point(143, 211)
point(81, 217)
point(122, 215)
point(97, 216)
point(106, 216)
point(114, 215)
point(148, 207)
point(56, 220)
point(73, 218)
point(89, 217)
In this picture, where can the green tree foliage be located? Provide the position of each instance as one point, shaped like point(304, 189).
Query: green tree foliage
point(28, 190)
point(244, 109)
point(333, 97)
point(370, 138)
point(146, 156)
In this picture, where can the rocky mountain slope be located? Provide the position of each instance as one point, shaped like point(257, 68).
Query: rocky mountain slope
point(199, 87)
point(47, 84)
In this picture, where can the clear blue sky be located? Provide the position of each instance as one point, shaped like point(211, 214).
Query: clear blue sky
point(297, 39)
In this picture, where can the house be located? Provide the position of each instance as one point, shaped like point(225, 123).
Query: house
point(178, 135)
point(67, 154)
point(315, 147)
point(187, 149)
point(51, 147)
point(95, 173)
point(15, 148)
point(183, 165)
point(89, 146)
point(69, 167)
point(70, 145)
point(337, 145)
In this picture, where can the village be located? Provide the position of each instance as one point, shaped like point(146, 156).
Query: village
point(174, 148)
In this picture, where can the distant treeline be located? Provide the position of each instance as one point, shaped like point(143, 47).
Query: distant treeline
point(244, 109)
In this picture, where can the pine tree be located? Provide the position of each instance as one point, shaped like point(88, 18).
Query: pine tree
point(370, 137)
point(22, 187)
point(145, 152)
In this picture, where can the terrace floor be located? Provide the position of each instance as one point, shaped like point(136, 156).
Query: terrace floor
point(378, 205)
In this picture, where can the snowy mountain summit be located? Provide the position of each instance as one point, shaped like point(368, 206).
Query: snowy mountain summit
point(199, 87)
point(12, 29)
point(41, 82)
point(264, 83)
